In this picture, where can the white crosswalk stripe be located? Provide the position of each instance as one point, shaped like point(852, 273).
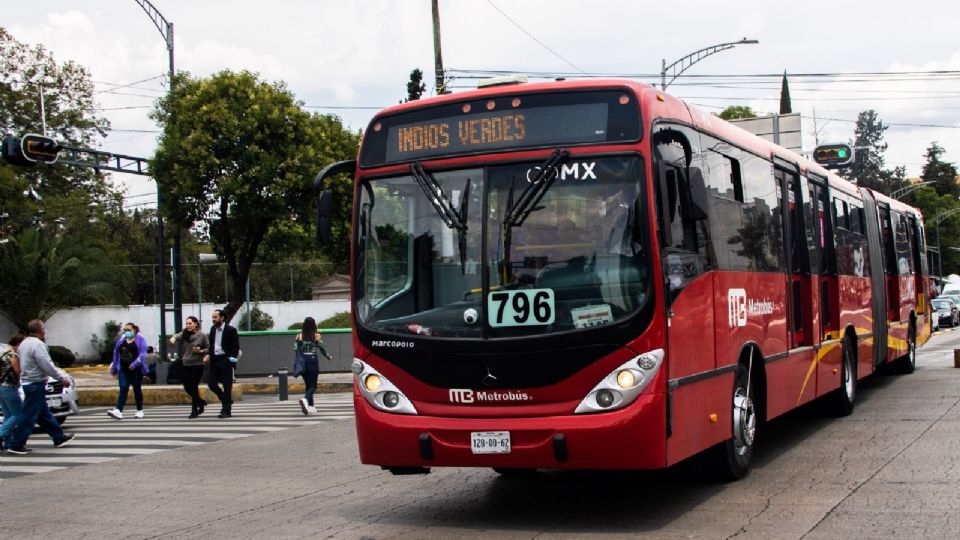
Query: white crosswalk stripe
point(101, 438)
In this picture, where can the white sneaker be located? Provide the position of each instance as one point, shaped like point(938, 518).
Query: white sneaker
point(304, 407)
point(139, 414)
point(312, 409)
point(115, 413)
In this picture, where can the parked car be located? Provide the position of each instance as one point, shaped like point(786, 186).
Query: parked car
point(61, 400)
point(947, 312)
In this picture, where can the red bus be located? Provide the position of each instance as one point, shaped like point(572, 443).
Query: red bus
point(596, 275)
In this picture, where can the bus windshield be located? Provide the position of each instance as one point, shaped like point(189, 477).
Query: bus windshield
point(576, 260)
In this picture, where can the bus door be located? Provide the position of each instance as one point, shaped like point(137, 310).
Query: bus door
point(919, 264)
point(890, 265)
point(796, 243)
point(828, 297)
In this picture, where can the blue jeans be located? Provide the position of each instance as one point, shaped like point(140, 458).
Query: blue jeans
point(34, 412)
point(310, 381)
point(126, 378)
point(11, 404)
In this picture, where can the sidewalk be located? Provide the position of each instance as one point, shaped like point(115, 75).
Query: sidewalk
point(95, 386)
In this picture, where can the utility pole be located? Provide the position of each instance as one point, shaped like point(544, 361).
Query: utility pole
point(437, 55)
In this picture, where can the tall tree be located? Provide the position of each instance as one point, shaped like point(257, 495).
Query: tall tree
point(868, 167)
point(785, 106)
point(238, 155)
point(737, 112)
point(941, 172)
point(415, 86)
point(69, 106)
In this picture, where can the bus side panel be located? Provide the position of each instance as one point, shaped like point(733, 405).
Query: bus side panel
point(750, 308)
point(790, 382)
point(828, 367)
point(701, 416)
point(856, 312)
point(690, 332)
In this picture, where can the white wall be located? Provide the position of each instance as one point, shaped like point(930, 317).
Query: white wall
point(74, 328)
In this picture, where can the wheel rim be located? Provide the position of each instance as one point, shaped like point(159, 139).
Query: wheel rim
point(744, 422)
point(912, 346)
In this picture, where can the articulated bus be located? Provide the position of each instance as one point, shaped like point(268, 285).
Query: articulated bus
point(597, 275)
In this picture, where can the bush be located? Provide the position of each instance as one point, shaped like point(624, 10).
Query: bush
point(296, 326)
point(62, 356)
point(259, 322)
point(104, 347)
point(340, 320)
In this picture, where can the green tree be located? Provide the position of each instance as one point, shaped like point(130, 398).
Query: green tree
point(785, 105)
point(239, 155)
point(68, 98)
point(415, 86)
point(737, 112)
point(868, 167)
point(941, 172)
point(42, 273)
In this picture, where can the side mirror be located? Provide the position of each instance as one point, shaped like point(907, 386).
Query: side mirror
point(324, 217)
point(696, 200)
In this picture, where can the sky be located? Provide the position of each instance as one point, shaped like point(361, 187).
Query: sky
point(352, 57)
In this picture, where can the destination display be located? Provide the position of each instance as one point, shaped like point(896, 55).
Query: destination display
point(502, 123)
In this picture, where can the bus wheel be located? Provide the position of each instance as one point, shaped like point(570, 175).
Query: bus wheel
point(737, 452)
point(907, 363)
point(843, 397)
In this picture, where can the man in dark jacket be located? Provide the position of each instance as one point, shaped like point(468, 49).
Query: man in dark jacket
point(224, 349)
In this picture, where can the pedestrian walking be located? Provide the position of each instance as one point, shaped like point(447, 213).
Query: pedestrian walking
point(224, 349)
point(306, 346)
point(10, 402)
point(192, 345)
point(35, 367)
point(129, 366)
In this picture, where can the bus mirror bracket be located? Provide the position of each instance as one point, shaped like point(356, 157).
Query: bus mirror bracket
point(324, 217)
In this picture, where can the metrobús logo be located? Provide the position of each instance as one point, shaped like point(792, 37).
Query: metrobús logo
point(739, 307)
point(462, 395)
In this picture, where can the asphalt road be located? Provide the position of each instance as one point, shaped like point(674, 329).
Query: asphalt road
point(887, 471)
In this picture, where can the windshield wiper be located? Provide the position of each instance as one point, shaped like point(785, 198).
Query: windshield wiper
point(517, 213)
point(437, 197)
point(535, 190)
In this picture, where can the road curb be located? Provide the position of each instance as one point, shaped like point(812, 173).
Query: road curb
point(174, 395)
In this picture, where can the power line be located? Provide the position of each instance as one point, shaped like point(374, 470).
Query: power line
point(119, 86)
point(531, 36)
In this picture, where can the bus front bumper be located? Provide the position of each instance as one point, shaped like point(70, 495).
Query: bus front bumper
point(630, 438)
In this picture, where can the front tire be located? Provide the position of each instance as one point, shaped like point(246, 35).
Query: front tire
point(843, 397)
point(736, 453)
point(907, 363)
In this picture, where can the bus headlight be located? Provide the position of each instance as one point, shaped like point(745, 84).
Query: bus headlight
point(379, 391)
point(622, 386)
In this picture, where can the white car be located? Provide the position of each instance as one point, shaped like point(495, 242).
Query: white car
point(62, 401)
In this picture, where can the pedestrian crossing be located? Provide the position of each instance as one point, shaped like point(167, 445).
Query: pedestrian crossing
point(101, 438)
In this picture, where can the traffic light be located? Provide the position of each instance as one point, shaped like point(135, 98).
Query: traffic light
point(833, 155)
point(12, 153)
point(39, 148)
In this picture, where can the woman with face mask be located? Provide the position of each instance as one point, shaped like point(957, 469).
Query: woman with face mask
point(129, 366)
point(192, 345)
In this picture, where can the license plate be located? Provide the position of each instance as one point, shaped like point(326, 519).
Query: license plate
point(54, 402)
point(490, 442)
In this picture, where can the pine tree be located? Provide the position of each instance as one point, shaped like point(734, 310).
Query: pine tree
point(415, 86)
point(868, 168)
point(941, 172)
point(785, 106)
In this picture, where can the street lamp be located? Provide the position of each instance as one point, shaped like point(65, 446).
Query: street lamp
point(897, 193)
point(937, 219)
point(684, 63)
point(166, 30)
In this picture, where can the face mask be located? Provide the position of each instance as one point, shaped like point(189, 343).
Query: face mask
point(128, 335)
